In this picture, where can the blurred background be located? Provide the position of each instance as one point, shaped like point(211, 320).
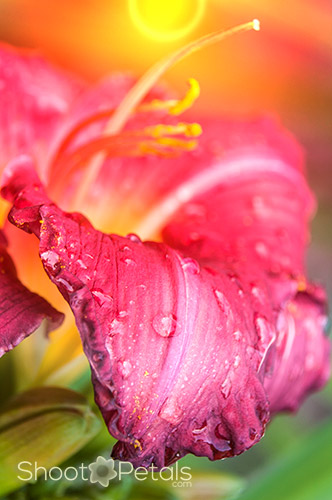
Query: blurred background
point(286, 70)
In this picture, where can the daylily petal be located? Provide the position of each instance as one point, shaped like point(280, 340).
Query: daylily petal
point(21, 311)
point(302, 352)
point(180, 351)
point(126, 182)
point(34, 97)
point(255, 209)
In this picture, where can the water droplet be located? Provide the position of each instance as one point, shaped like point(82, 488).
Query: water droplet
point(122, 314)
point(226, 387)
point(257, 292)
point(128, 262)
point(116, 327)
point(310, 361)
point(263, 329)
point(76, 301)
point(171, 412)
point(201, 429)
point(194, 237)
point(221, 299)
point(237, 335)
point(165, 324)
point(262, 413)
point(81, 264)
point(252, 433)
point(66, 284)
point(261, 249)
point(134, 238)
point(50, 258)
point(102, 298)
point(223, 444)
point(190, 265)
point(98, 357)
point(125, 368)
point(236, 361)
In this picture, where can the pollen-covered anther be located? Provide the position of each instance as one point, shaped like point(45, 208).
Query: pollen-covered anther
point(173, 106)
point(186, 129)
point(164, 146)
point(188, 100)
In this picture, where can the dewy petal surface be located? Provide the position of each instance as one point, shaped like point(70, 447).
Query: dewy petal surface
point(186, 347)
point(21, 311)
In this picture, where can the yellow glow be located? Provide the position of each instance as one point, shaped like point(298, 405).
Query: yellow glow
point(166, 20)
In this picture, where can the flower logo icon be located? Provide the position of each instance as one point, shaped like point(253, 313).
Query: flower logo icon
point(102, 471)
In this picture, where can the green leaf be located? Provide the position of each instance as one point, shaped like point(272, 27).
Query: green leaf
point(200, 485)
point(302, 473)
point(44, 425)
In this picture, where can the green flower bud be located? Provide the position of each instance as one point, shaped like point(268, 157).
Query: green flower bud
point(43, 426)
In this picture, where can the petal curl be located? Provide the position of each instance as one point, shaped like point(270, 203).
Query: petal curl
point(21, 311)
point(181, 351)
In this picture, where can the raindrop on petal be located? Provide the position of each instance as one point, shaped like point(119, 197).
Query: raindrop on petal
point(226, 387)
point(50, 258)
point(165, 324)
point(190, 265)
point(125, 368)
point(221, 299)
point(102, 298)
point(134, 238)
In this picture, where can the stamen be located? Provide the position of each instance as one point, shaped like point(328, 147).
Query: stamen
point(175, 107)
point(137, 93)
point(149, 79)
point(256, 25)
point(152, 140)
point(188, 100)
point(170, 106)
point(187, 129)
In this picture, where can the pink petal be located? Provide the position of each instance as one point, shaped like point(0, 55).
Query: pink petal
point(302, 354)
point(34, 97)
point(183, 353)
point(21, 311)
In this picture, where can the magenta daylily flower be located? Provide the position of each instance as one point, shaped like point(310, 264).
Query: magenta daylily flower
point(196, 341)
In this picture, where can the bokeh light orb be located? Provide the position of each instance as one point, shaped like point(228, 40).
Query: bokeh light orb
point(166, 20)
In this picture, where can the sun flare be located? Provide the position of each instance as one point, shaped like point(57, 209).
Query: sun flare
point(166, 20)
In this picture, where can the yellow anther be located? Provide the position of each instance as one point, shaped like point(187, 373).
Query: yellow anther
point(177, 143)
point(193, 130)
point(174, 107)
point(137, 444)
point(157, 105)
point(187, 129)
point(188, 100)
